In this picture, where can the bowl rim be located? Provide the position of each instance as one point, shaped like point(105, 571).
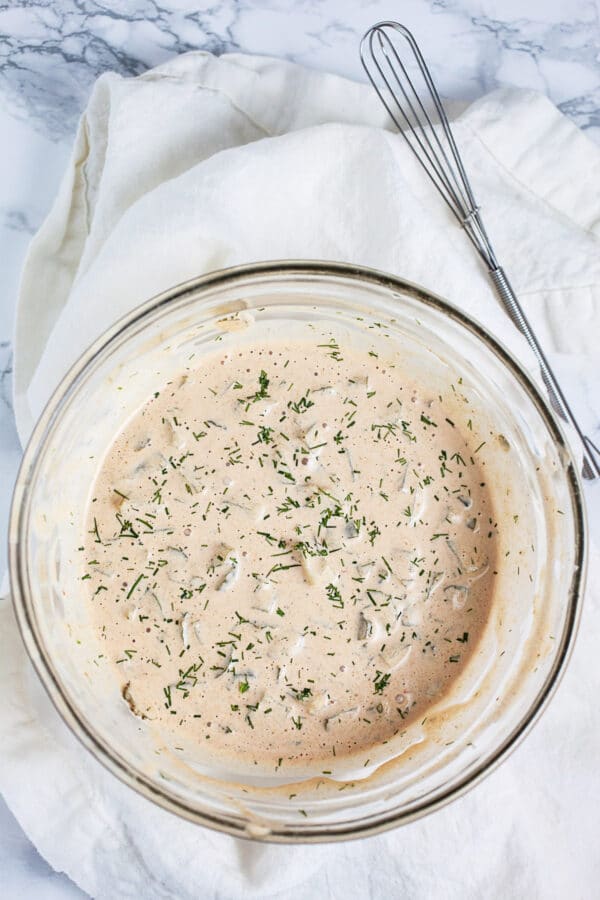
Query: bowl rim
point(235, 825)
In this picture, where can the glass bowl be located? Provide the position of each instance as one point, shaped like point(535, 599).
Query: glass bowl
point(525, 645)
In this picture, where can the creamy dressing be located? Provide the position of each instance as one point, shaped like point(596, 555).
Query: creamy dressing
point(291, 553)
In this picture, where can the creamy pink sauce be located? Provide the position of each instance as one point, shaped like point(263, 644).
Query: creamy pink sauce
point(291, 553)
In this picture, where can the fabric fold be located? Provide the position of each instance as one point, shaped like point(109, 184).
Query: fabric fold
point(204, 163)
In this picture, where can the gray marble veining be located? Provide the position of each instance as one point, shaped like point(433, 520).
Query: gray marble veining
point(51, 52)
point(18, 220)
point(5, 373)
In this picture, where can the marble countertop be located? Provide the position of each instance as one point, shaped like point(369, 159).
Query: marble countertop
point(51, 51)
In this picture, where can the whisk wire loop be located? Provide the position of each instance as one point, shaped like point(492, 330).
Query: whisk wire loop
point(435, 149)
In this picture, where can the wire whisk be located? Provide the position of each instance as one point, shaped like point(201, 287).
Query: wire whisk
point(382, 53)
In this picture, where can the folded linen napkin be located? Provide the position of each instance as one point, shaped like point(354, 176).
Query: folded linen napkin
point(205, 163)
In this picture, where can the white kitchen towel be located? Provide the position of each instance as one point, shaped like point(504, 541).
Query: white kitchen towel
point(205, 163)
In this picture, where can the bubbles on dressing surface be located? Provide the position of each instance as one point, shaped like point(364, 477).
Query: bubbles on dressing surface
point(291, 553)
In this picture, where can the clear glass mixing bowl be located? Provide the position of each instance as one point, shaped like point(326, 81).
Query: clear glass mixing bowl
point(525, 647)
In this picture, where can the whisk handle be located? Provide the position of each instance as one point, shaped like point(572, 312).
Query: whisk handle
point(591, 454)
